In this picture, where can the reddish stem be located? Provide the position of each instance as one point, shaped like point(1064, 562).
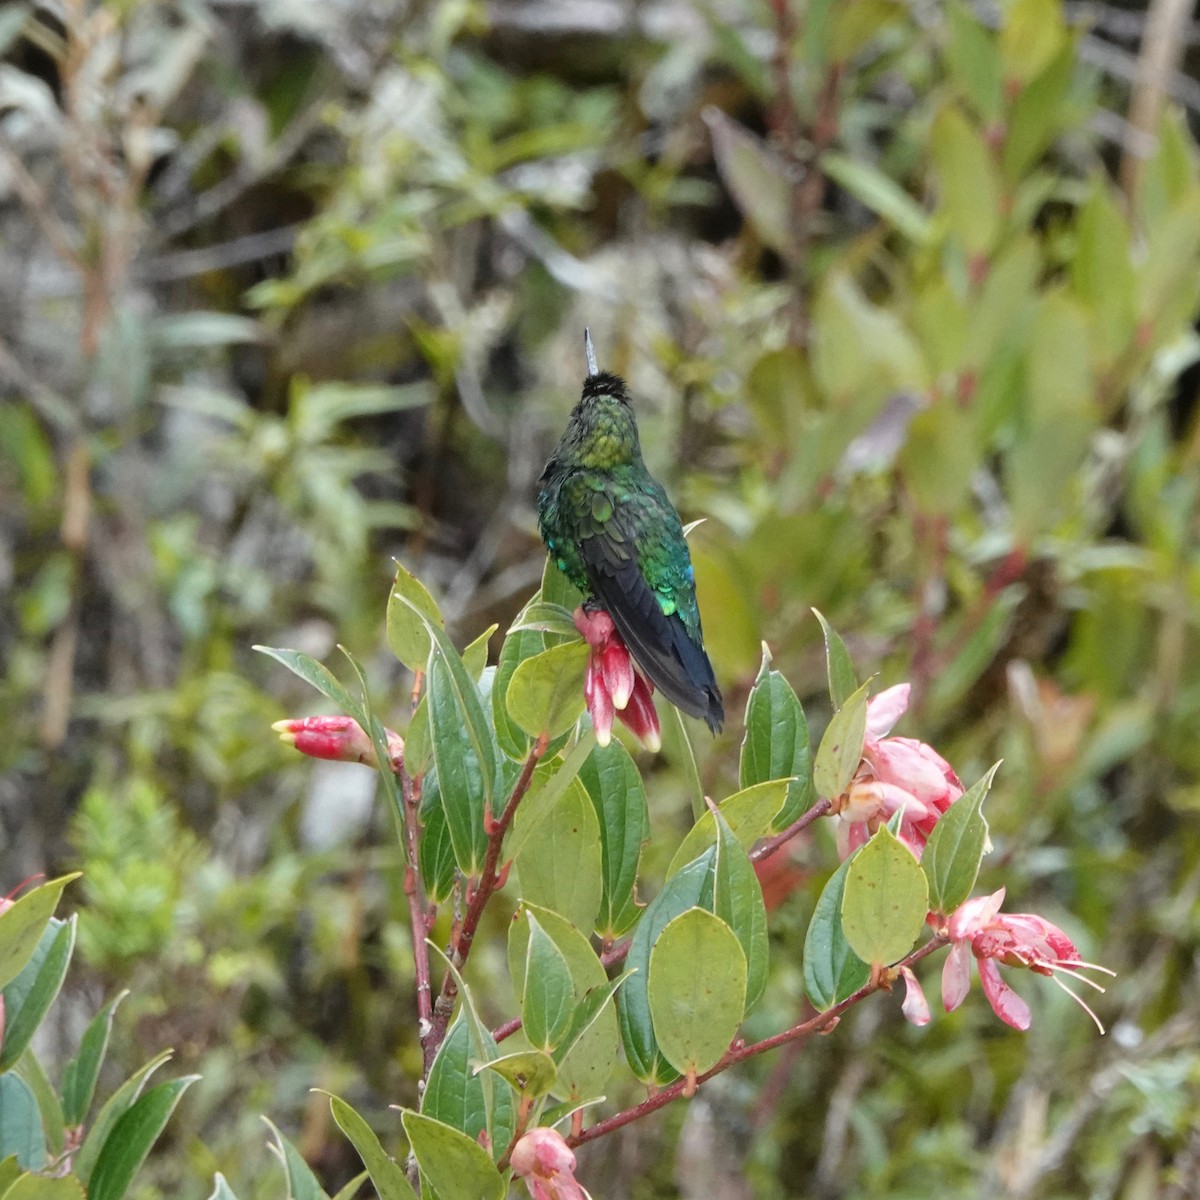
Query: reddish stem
point(491, 878)
point(739, 1053)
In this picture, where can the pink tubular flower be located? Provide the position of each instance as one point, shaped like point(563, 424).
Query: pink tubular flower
point(895, 773)
point(978, 928)
point(546, 1163)
point(613, 686)
point(339, 738)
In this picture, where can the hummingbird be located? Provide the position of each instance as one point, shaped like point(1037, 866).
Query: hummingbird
point(613, 532)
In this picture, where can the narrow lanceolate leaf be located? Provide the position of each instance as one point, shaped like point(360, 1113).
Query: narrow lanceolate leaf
point(27, 998)
point(738, 901)
point(842, 681)
point(880, 193)
point(30, 1069)
point(464, 758)
point(131, 1138)
point(453, 1094)
point(110, 1113)
point(832, 971)
point(749, 814)
point(697, 990)
point(451, 1162)
point(387, 1176)
point(21, 1124)
point(80, 1074)
point(435, 854)
point(302, 1184)
point(410, 606)
point(531, 1073)
point(559, 863)
point(499, 1107)
point(475, 655)
point(22, 925)
point(614, 785)
point(841, 746)
point(545, 693)
point(886, 900)
point(318, 676)
point(956, 847)
point(776, 744)
point(548, 998)
point(692, 885)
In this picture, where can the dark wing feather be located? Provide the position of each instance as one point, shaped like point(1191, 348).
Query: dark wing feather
point(659, 643)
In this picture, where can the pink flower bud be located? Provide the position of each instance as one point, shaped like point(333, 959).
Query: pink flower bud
point(546, 1163)
point(617, 668)
point(341, 739)
point(599, 704)
point(612, 685)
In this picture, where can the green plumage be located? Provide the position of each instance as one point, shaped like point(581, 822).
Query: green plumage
point(616, 536)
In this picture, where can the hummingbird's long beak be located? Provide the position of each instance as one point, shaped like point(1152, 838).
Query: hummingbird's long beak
point(590, 351)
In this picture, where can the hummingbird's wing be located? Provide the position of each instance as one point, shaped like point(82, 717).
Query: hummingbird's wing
point(660, 642)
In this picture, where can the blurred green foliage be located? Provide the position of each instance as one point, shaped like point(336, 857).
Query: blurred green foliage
point(312, 298)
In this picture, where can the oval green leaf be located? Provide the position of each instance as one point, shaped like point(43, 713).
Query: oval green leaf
point(886, 900)
point(697, 990)
point(407, 634)
point(956, 847)
point(548, 998)
point(748, 813)
point(545, 693)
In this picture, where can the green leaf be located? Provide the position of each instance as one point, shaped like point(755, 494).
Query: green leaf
point(409, 607)
point(974, 61)
point(697, 990)
point(689, 887)
point(879, 193)
point(548, 998)
point(757, 179)
point(31, 1071)
point(748, 813)
point(678, 751)
point(971, 194)
point(463, 760)
point(453, 1094)
point(302, 1184)
point(832, 971)
point(1102, 275)
point(587, 1053)
point(221, 1189)
point(435, 854)
point(463, 1089)
point(775, 744)
point(80, 1074)
point(22, 926)
point(838, 667)
point(738, 901)
point(9, 1170)
point(886, 900)
point(133, 1135)
point(545, 694)
point(350, 1190)
point(27, 998)
point(110, 1113)
point(614, 785)
point(532, 1073)
point(956, 848)
point(387, 1176)
point(841, 745)
point(559, 862)
point(475, 655)
point(21, 1124)
point(450, 1161)
point(1031, 35)
point(546, 618)
point(39, 1187)
point(1037, 114)
point(550, 784)
point(318, 676)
